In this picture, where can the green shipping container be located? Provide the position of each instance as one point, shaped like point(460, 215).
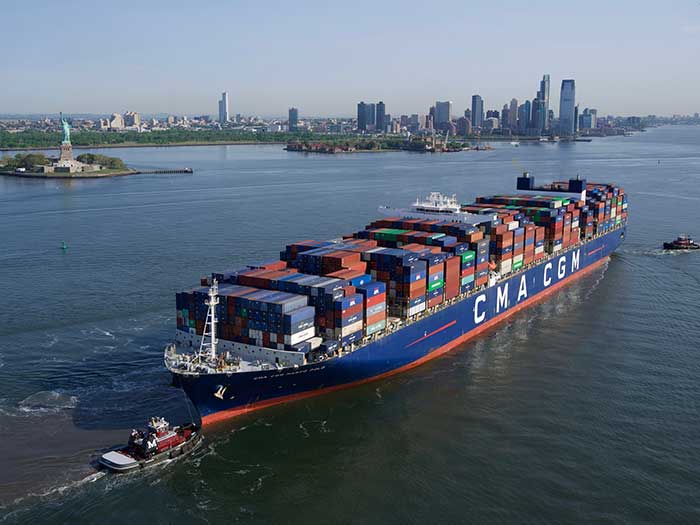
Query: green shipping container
point(436, 285)
point(517, 266)
point(468, 256)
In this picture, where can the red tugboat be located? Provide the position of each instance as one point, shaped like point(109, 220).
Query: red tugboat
point(683, 242)
point(157, 443)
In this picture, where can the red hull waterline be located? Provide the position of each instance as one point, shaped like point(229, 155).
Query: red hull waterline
point(229, 414)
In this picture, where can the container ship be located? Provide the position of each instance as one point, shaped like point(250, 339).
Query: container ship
point(407, 288)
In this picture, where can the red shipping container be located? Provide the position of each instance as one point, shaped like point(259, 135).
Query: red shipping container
point(376, 318)
point(504, 239)
point(481, 267)
point(473, 237)
point(348, 311)
point(375, 300)
point(436, 268)
point(276, 265)
point(434, 301)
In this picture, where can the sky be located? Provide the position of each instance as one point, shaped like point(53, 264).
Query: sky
point(151, 56)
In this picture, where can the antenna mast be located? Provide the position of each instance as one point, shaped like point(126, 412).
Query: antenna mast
point(210, 323)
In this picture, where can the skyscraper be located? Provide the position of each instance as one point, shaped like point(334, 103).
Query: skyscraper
point(524, 118)
point(543, 95)
point(539, 116)
point(443, 114)
point(505, 116)
point(362, 111)
point(588, 119)
point(293, 119)
point(567, 108)
point(513, 114)
point(477, 111)
point(223, 108)
point(381, 116)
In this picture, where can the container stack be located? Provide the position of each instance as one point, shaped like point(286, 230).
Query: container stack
point(467, 265)
point(436, 277)
point(405, 276)
point(608, 205)
point(347, 316)
point(375, 306)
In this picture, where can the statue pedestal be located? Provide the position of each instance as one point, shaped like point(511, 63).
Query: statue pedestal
point(66, 151)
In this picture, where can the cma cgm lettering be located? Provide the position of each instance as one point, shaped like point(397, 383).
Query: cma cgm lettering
point(516, 290)
point(334, 314)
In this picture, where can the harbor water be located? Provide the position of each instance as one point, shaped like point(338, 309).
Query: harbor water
point(582, 408)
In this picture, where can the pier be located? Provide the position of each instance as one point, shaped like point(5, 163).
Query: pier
point(165, 171)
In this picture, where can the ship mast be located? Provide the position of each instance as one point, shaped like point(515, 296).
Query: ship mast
point(210, 323)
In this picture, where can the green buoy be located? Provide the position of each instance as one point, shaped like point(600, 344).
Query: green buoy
point(64, 246)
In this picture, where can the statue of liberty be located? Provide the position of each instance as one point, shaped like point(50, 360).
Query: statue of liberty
point(66, 130)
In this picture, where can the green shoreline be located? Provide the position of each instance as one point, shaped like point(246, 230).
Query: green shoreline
point(144, 145)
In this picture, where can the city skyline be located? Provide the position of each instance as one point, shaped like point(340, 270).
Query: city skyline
point(624, 46)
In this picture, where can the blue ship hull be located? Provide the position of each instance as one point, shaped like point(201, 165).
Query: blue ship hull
point(410, 346)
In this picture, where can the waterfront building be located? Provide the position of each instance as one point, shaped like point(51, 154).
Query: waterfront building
point(588, 119)
point(524, 117)
point(567, 108)
point(132, 118)
point(293, 115)
point(362, 111)
point(371, 116)
point(468, 114)
point(505, 116)
point(223, 108)
point(575, 119)
point(543, 95)
point(513, 114)
point(539, 116)
point(116, 122)
point(492, 113)
point(464, 126)
point(443, 114)
point(477, 111)
point(490, 124)
point(381, 118)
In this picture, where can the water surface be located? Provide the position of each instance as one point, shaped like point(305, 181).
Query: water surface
point(584, 407)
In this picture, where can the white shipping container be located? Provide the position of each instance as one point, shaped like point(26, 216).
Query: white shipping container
point(518, 258)
point(513, 225)
point(416, 309)
point(315, 342)
point(376, 327)
point(613, 212)
point(539, 249)
point(556, 247)
point(351, 328)
point(504, 265)
point(300, 336)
